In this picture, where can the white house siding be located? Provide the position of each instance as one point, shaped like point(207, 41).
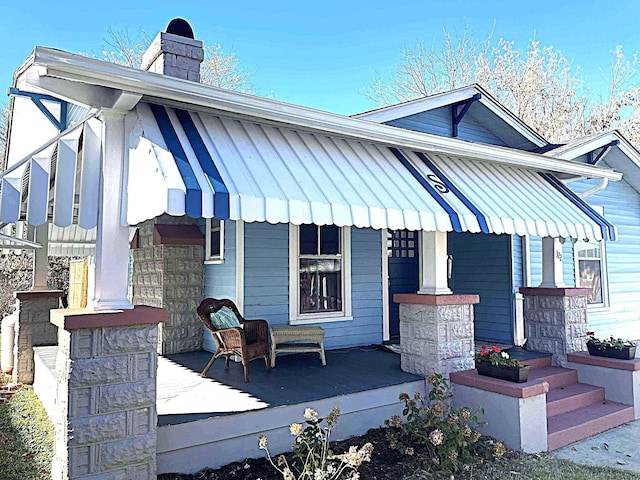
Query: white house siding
point(220, 279)
point(266, 283)
point(621, 205)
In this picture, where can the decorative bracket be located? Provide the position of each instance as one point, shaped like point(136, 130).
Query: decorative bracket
point(38, 98)
point(591, 160)
point(457, 116)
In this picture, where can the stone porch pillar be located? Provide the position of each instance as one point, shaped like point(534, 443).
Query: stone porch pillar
point(168, 272)
point(556, 320)
point(105, 408)
point(33, 329)
point(436, 332)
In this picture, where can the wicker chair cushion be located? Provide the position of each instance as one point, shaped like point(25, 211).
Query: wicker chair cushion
point(224, 318)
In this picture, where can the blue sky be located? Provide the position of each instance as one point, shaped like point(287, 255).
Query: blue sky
point(321, 54)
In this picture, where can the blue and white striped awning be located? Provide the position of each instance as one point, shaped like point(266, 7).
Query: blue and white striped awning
point(205, 165)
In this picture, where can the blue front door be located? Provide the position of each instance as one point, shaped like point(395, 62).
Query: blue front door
point(402, 251)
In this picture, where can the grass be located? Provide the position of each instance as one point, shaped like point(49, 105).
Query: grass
point(544, 467)
point(26, 438)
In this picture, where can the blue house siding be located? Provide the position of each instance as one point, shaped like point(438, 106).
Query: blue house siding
point(517, 263)
point(266, 272)
point(535, 261)
point(266, 283)
point(220, 278)
point(482, 265)
point(438, 122)
point(621, 205)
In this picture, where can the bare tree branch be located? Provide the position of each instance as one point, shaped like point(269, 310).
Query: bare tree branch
point(219, 69)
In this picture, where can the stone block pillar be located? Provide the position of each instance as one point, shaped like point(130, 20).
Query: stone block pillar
point(168, 272)
point(33, 329)
point(105, 408)
point(436, 332)
point(556, 321)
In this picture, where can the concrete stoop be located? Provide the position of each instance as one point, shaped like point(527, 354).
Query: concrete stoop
point(576, 411)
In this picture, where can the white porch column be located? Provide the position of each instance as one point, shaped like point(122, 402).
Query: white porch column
point(551, 263)
point(112, 239)
point(433, 264)
point(40, 260)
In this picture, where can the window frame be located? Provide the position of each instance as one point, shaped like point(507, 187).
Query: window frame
point(297, 318)
point(208, 258)
point(604, 274)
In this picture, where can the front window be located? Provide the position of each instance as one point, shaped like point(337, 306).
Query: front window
point(590, 272)
point(320, 276)
point(591, 268)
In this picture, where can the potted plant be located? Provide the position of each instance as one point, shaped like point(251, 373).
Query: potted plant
point(611, 347)
point(493, 362)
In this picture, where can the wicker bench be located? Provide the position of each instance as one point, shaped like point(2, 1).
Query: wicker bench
point(297, 340)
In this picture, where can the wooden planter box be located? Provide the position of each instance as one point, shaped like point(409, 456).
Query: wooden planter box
point(626, 353)
point(511, 374)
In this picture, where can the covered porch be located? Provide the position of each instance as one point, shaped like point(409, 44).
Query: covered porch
point(213, 421)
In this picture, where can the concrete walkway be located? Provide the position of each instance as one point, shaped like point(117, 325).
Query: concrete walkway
point(617, 448)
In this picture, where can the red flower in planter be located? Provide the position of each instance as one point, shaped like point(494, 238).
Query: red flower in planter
point(495, 349)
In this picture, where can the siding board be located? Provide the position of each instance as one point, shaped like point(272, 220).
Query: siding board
point(482, 265)
point(220, 279)
point(267, 283)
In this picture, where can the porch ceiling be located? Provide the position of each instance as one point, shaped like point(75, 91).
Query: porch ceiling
point(207, 165)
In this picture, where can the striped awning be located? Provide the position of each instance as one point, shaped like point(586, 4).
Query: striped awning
point(205, 165)
point(58, 183)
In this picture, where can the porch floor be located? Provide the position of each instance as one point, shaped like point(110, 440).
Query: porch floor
point(183, 396)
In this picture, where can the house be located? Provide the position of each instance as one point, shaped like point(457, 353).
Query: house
point(422, 221)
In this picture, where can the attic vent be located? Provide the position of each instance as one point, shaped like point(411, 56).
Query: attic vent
point(179, 26)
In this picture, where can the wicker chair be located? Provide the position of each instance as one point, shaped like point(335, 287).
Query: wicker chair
point(249, 340)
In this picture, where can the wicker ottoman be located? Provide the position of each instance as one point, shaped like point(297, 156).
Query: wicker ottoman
point(297, 340)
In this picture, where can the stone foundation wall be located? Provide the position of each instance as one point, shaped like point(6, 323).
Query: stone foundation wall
point(170, 276)
point(556, 321)
point(105, 414)
point(33, 329)
point(436, 338)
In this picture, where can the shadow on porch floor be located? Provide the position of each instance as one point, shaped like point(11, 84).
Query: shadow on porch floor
point(183, 396)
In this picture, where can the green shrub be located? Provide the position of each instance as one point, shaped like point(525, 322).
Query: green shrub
point(445, 438)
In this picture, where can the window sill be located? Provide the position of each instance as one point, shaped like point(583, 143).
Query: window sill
point(319, 319)
point(214, 261)
point(599, 308)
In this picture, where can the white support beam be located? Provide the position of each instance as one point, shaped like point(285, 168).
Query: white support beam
point(433, 264)
point(112, 239)
point(40, 259)
point(552, 263)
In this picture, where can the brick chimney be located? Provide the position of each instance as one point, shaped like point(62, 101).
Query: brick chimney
point(175, 52)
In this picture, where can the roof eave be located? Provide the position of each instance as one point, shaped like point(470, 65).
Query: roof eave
point(71, 67)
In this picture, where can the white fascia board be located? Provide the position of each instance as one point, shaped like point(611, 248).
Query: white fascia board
point(518, 125)
point(393, 112)
point(95, 72)
point(579, 149)
point(598, 142)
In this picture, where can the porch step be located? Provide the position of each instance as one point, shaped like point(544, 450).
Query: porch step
point(556, 377)
point(585, 422)
point(565, 399)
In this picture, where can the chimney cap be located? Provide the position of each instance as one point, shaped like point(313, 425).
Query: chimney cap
point(179, 26)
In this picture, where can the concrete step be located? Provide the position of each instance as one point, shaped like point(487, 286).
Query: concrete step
point(585, 422)
point(556, 377)
point(538, 362)
point(571, 397)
